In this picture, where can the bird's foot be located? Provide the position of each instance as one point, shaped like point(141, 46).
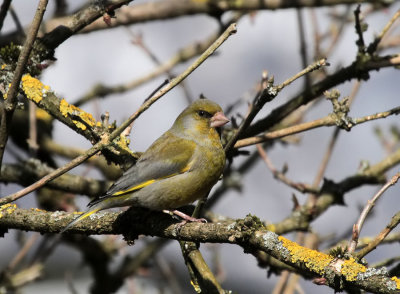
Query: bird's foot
point(186, 218)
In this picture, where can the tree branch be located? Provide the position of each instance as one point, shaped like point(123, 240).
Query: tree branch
point(247, 233)
point(11, 94)
point(359, 70)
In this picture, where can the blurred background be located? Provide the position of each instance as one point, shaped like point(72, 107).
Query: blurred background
point(266, 40)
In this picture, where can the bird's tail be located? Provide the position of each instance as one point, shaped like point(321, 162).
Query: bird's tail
point(100, 204)
point(92, 210)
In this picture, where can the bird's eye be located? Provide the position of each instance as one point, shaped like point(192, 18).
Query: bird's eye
point(203, 113)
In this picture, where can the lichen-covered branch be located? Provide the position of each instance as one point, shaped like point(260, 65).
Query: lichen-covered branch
point(11, 94)
point(248, 233)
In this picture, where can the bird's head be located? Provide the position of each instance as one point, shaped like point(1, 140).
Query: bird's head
point(201, 118)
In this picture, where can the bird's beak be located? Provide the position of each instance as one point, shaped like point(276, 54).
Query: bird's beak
point(218, 120)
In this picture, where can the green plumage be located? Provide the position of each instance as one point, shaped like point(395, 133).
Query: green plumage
point(178, 168)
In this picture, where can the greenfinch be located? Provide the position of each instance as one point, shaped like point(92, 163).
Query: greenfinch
point(178, 168)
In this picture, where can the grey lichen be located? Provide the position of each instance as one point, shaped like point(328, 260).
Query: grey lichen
point(272, 243)
point(231, 226)
point(372, 272)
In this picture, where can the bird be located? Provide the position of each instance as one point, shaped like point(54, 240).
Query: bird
point(180, 167)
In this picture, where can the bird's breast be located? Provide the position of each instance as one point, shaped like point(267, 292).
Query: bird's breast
point(179, 190)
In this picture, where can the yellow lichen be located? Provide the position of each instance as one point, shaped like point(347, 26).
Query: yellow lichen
point(397, 280)
point(7, 209)
point(317, 261)
point(33, 88)
point(312, 259)
point(350, 269)
point(67, 109)
point(6, 93)
point(123, 143)
point(196, 286)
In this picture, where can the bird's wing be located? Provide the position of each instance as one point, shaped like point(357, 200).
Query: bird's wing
point(166, 157)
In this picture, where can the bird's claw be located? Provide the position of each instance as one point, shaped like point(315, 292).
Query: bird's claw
point(186, 218)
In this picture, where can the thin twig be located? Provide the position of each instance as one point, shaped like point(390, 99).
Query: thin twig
point(315, 66)
point(315, 33)
point(380, 238)
point(10, 102)
point(23, 252)
point(359, 29)
point(326, 121)
point(168, 273)
point(325, 160)
point(343, 20)
point(183, 55)
point(370, 204)
point(174, 82)
point(18, 24)
point(303, 46)
point(32, 141)
point(386, 263)
point(3, 11)
point(346, 73)
point(303, 188)
point(372, 47)
point(137, 39)
point(267, 94)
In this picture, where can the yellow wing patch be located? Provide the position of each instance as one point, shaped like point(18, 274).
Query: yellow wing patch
point(137, 187)
point(146, 183)
point(89, 213)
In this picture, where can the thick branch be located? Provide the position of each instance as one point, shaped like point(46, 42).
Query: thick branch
point(248, 233)
point(90, 19)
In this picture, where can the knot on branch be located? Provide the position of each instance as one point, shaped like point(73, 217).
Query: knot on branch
point(245, 228)
point(340, 110)
point(269, 91)
point(117, 149)
point(332, 188)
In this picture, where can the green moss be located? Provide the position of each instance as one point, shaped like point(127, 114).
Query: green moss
point(10, 53)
